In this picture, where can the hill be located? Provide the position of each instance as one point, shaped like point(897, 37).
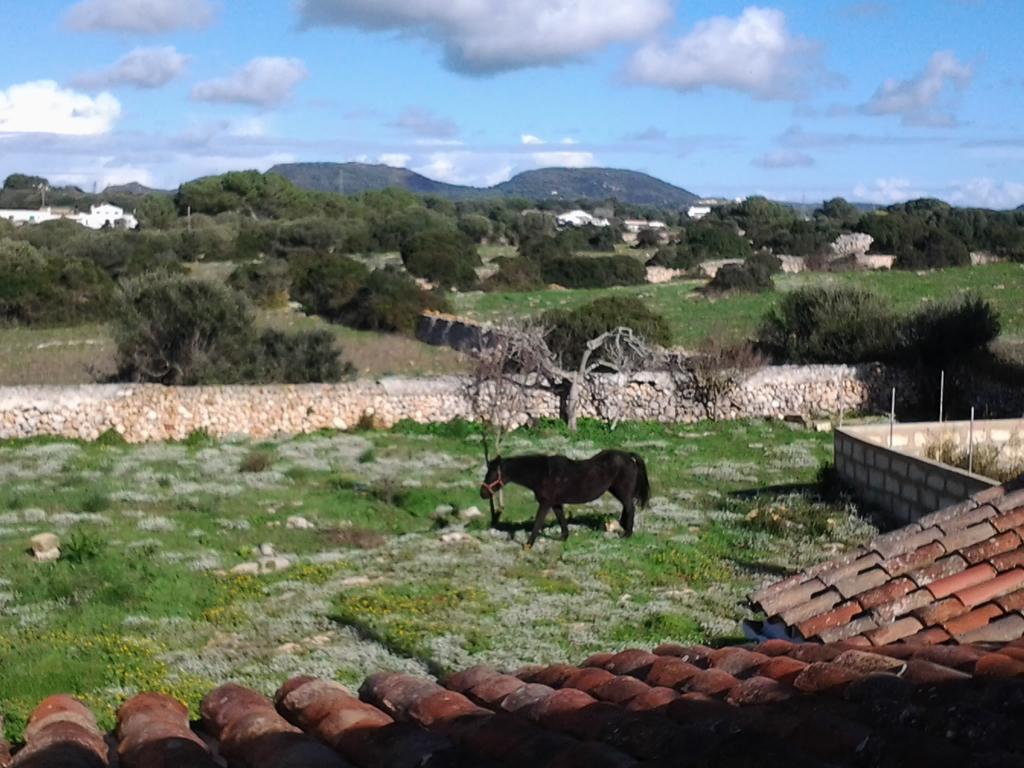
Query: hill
point(563, 183)
point(133, 189)
point(356, 178)
point(596, 184)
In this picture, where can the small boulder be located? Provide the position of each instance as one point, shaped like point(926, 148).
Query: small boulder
point(246, 569)
point(45, 547)
point(266, 550)
point(456, 537)
point(274, 564)
point(442, 512)
point(297, 522)
point(470, 514)
point(613, 526)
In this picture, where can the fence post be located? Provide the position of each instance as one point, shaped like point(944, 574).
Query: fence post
point(970, 445)
point(942, 395)
point(892, 417)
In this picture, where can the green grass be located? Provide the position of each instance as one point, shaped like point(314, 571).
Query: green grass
point(142, 599)
point(694, 317)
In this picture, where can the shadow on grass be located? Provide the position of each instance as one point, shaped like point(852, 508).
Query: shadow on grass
point(594, 521)
point(366, 633)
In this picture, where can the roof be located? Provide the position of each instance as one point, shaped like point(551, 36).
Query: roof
point(776, 703)
point(954, 576)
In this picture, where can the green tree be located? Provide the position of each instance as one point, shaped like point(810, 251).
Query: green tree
point(570, 330)
point(389, 300)
point(23, 181)
point(156, 212)
point(326, 283)
point(445, 257)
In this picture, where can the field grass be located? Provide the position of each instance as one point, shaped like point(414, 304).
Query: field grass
point(140, 599)
point(694, 317)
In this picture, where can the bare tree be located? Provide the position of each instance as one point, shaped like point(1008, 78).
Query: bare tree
point(619, 352)
point(717, 369)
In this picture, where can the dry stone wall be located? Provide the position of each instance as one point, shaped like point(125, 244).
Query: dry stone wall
point(146, 413)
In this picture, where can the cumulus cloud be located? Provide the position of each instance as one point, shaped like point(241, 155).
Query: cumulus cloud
point(486, 36)
point(263, 82)
point(784, 158)
point(424, 123)
point(563, 159)
point(395, 159)
point(988, 193)
point(530, 139)
point(141, 68)
point(888, 190)
point(150, 17)
point(754, 54)
point(923, 99)
point(44, 107)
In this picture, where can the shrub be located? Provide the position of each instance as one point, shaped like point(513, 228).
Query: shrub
point(266, 283)
point(81, 547)
point(298, 358)
point(648, 238)
point(515, 275)
point(678, 256)
point(326, 283)
point(740, 278)
point(389, 300)
point(476, 227)
point(829, 325)
point(257, 460)
point(710, 240)
point(50, 290)
point(935, 250)
point(949, 333)
point(596, 272)
point(443, 256)
point(764, 261)
point(570, 330)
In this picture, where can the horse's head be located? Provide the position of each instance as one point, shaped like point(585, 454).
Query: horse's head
point(494, 480)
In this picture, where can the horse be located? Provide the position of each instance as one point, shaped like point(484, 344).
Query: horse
point(557, 480)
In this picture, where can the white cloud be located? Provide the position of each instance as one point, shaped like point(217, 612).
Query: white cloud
point(395, 160)
point(890, 190)
point(923, 100)
point(424, 123)
point(529, 139)
point(754, 53)
point(151, 17)
point(263, 82)
point(141, 68)
point(564, 159)
point(988, 193)
point(44, 107)
point(481, 36)
point(784, 158)
point(569, 141)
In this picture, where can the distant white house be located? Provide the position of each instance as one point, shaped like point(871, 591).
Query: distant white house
point(580, 218)
point(636, 225)
point(98, 217)
point(19, 217)
point(698, 212)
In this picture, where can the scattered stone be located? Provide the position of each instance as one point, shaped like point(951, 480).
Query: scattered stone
point(297, 522)
point(267, 550)
point(823, 426)
point(612, 526)
point(33, 515)
point(288, 649)
point(456, 537)
point(46, 547)
point(471, 514)
point(274, 564)
point(246, 569)
point(442, 512)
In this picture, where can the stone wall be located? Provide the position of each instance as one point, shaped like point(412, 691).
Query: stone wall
point(904, 485)
point(144, 413)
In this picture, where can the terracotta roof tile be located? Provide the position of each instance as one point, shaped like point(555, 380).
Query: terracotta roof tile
point(920, 672)
point(811, 607)
point(782, 668)
point(846, 571)
point(998, 631)
point(965, 537)
point(889, 612)
point(698, 655)
point(887, 593)
point(998, 665)
point(823, 676)
point(737, 661)
point(940, 612)
point(1001, 585)
point(631, 662)
point(787, 598)
point(711, 682)
point(759, 690)
point(670, 672)
point(492, 691)
point(653, 699)
point(905, 540)
point(989, 548)
point(940, 569)
point(1010, 501)
point(587, 679)
point(837, 617)
point(972, 620)
point(898, 630)
point(863, 582)
point(554, 675)
point(946, 514)
point(968, 519)
point(930, 636)
point(969, 578)
point(915, 558)
point(1008, 560)
point(1012, 602)
point(1009, 520)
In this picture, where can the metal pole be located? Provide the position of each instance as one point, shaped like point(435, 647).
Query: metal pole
point(942, 395)
point(892, 417)
point(970, 445)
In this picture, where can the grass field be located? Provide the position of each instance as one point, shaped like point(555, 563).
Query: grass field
point(140, 600)
point(694, 317)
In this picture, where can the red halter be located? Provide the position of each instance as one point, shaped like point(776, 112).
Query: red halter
point(498, 484)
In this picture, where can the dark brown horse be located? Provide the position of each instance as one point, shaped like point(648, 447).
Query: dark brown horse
point(556, 481)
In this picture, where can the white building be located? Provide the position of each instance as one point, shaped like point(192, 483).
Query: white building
point(103, 215)
point(19, 217)
point(636, 225)
point(580, 218)
point(698, 212)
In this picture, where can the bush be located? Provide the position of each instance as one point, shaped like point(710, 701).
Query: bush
point(476, 227)
point(389, 300)
point(947, 334)
point(326, 283)
point(445, 257)
point(829, 325)
point(709, 240)
point(936, 250)
point(570, 330)
point(764, 261)
point(593, 272)
point(176, 331)
point(679, 256)
point(44, 290)
point(266, 283)
point(515, 275)
point(740, 278)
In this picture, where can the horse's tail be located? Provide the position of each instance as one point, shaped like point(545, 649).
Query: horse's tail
point(642, 494)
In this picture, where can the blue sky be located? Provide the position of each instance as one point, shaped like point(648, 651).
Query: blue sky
point(872, 100)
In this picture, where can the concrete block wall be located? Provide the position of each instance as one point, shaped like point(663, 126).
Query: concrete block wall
point(906, 487)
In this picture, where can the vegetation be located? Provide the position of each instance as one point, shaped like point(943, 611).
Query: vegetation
point(569, 331)
point(599, 272)
point(267, 283)
point(389, 300)
point(447, 258)
point(749, 277)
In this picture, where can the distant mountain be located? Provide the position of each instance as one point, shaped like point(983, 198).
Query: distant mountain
point(1020, 207)
point(597, 184)
point(357, 178)
point(563, 183)
point(133, 189)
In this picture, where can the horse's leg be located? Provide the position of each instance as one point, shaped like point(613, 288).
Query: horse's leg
point(542, 515)
point(625, 497)
point(560, 514)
